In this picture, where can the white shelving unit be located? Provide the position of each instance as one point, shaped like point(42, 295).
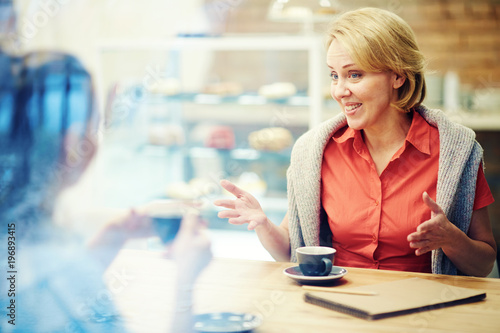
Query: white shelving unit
point(311, 44)
point(476, 120)
point(310, 107)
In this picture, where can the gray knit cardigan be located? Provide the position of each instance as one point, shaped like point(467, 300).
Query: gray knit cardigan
point(459, 158)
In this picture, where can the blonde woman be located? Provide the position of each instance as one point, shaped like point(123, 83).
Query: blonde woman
point(389, 183)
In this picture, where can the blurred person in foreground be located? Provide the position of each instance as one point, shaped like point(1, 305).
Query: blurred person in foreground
point(389, 183)
point(45, 149)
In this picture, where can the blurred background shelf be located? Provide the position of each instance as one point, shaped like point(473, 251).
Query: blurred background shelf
point(311, 44)
point(478, 121)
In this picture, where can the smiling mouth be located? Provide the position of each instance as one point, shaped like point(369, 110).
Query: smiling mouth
point(351, 109)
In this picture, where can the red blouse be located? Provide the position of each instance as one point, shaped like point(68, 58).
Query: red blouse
point(371, 216)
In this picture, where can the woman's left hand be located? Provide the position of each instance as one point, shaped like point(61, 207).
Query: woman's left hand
point(437, 232)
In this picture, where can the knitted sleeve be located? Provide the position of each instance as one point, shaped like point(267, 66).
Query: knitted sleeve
point(304, 185)
point(461, 209)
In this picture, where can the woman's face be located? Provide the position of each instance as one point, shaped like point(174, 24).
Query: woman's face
point(364, 97)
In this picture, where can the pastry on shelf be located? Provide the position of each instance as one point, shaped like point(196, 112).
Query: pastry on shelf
point(196, 188)
point(164, 86)
point(278, 90)
point(214, 136)
point(296, 12)
point(251, 182)
point(224, 89)
point(221, 137)
point(327, 11)
point(271, 138)
point(181, 190)
point(166, 135)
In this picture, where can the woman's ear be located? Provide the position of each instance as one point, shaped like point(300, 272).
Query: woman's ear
point(399, 80)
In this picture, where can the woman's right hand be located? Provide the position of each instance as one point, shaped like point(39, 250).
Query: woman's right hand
point(191, 249)
point(244, 209)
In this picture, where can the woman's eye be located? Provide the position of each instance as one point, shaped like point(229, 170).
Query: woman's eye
point(355, 75)
point(334, 76)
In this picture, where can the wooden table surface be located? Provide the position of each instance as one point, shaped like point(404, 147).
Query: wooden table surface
point(142, 285)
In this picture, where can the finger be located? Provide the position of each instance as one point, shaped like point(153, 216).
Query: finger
point(189, 223)
point(422, 250)
point(204, 237)
point(226, 203)
point(425, 227)
point(136, 219)
point(419, 244)
point(230, 187)
point(413, 237)
point(225, 214)
point(168, 252)
point(434, 207)
point(130, 220)
point(144, 225)
point(203, 222)
point(237, 220)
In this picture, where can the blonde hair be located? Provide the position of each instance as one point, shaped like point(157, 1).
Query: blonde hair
point(378, 40)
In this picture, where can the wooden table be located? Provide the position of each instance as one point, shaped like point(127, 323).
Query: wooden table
point(142, 284)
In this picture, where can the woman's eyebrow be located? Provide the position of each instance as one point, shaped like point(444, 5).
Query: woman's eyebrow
point(345, 66)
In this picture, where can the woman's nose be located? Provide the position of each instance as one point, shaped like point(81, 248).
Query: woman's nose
point(340, 90)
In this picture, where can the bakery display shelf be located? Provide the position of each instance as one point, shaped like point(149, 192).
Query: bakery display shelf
point(478, 121)
point(312, 44)
point(228, 42)
point(299, 99)
point(238, 154)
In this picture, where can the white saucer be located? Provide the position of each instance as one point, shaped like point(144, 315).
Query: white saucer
point(295, 273)
point(222, 322)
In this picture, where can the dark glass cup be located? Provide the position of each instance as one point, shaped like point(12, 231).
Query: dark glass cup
point(315, 260)
point(166, 226)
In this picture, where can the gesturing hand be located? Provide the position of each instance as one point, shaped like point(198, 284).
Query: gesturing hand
point(244, 209)
point(437, 232)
